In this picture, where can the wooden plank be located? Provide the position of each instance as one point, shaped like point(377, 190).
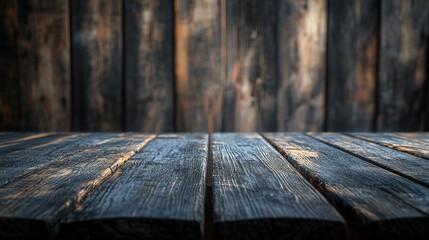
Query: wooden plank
point(33, 205)
point(198, 65)
point(11, 137)
point(44, 64)
point(259, 195)
point(415, 147)
point(406, 165)
point(251, 85)
point(97, 65)
point(10, 95)
point(403, 65)
point(22, 162)
point(352, 64)
point(302, 42)
point(30, 142)
point(419, 136)
point(376, 203)
point(158, 194)
point(148, 56)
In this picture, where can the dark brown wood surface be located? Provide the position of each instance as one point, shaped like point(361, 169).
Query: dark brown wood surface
point(352, 64)
point(149, 68)
point(257, 194)
point(29, 142)
point(403, 65)
point(302, 31)
point(44, 64)
point(158, 194)
point(408, 145)
point(96, 29)
point(10, 87)
point(376, 203)
point(32, 205)
point(252, 79)
point(198, 65)
point(406, 165)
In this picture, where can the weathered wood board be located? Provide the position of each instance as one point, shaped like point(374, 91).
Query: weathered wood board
point(376, 203)
point(148, 65)
point(158, 194)
point(31, 206)
point(257, 194)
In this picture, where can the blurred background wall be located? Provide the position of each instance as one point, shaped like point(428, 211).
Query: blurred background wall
point(214, 65)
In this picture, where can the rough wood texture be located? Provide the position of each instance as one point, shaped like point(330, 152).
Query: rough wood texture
point(259, 195)
point(44, 64)
point(251, 85)
point(421, 136)
point(403, 65)
point(158, 194)
point(352, 64)
point(406, 165)
point(15, 164)
point(97, 65)
point(29, 142)
point(301, 45)
point(408, 145)
point(198, 65)
point(148, 42)
point(31, 206)
point(377, 203)
point(10, 94)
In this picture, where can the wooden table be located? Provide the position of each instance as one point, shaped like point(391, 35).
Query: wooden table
point(222, 186)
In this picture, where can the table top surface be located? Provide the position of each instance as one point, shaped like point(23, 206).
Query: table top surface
point(217, 186)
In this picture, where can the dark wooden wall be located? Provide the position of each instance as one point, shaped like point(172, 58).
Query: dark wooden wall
point(214, 65)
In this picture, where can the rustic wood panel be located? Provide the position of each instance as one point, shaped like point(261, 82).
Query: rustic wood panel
point(403, 65)
point(44, 64)
point(148, 53)
point(159, 192)
point(10, 94)
point(377, 203)
point(259, 195)
point(11, 137)
point(29, 142)
point(421, 136)
point(252, 79)
point(301, 46)
point(97, 65)
point(352, 64)
point(32, 205)
point(406, 165)
point(198, 65)
point(408, 145)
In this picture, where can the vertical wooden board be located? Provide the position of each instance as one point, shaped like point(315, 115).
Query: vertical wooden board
point(148, 56)
point(259, 195)
point(198, 65)
point(403, 63)
point(353, 41)
point(44, 64)
point(376, 203)
point(31, 206)
point(97, 64)
point(10, 95)
point(159, 192)
point(301, 47)
point(252, 78)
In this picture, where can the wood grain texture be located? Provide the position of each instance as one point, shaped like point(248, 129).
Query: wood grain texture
point(198, 65)
point(259, 195)
point(44, 64)
point(420, 136)
point(408, 145)
point(352, 64)
point(15, 164)
point(403, 65)
point(29, 142)
point(31, 206)
point(252, 79)
point(301, 44)
point(12, 137)
point(149, 72)
point(158, 194)
point(97, 65)
point(10, 94)
point(377, 203)
point(406, 165)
